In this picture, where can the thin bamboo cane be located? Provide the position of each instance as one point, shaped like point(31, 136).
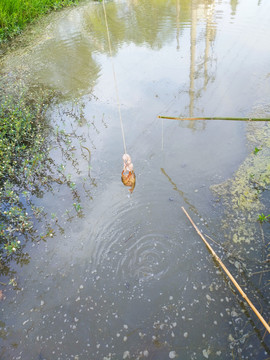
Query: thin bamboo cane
point(213, 118)
point(228, 273)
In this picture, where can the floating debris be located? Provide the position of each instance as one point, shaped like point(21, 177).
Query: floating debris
point(145, 353)
point(172, 354)
point(206, 353)
point(126, 355)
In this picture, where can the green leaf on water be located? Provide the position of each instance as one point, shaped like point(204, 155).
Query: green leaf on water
point(256, 150)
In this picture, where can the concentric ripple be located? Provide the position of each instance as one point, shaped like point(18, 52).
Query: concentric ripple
point(128, 250)
point(145, 257)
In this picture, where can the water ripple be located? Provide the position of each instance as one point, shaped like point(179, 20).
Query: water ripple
point(129, 250)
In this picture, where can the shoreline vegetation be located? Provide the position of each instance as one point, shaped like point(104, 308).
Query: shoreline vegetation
point(26, 168)
point(16, 14)
point(28, 171)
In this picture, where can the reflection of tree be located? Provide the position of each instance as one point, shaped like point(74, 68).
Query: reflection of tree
point(193, 34)
point(154, 23)
point(234, 4)
point(205, 11)
point(94, 25)
point(68, 66)
point(139, 22)
point(67, 61)
point(61, 58)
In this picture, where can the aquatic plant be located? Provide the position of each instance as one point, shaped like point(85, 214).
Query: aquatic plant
point(243, 194)
point(15, 14)
point(28, 171)
point(22, 150)
point(256, 150)
point(263, 218)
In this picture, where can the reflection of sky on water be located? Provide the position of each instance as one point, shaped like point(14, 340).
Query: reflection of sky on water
point(131, 279)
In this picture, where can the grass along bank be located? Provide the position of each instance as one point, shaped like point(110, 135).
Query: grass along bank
point(16, 14)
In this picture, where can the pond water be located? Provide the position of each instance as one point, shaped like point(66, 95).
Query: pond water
point(130, 278)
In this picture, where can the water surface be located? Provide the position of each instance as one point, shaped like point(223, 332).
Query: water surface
point(131, 279)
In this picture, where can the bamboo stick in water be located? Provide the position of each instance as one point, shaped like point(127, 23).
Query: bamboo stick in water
point(213, 118)
point(228, 273)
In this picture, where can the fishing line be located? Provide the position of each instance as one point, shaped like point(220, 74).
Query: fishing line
point(114, 76)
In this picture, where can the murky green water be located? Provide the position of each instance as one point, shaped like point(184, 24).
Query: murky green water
point(131, 279)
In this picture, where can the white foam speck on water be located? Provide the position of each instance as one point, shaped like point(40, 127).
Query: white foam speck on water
point(172, 354)
point(126, 355)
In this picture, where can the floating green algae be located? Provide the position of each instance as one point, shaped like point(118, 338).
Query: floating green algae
point(243, 195)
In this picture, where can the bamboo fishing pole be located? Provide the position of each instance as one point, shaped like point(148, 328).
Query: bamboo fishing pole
point(228, 273)
point(213, 118)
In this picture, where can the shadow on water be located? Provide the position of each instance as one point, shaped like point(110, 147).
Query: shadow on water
point(181, 193)
point(112, 275)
